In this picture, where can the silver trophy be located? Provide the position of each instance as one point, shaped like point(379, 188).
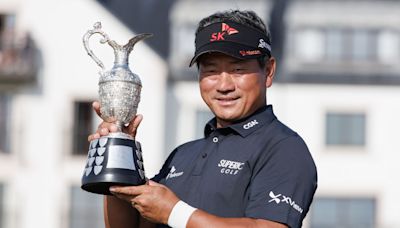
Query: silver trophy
point(115, 159)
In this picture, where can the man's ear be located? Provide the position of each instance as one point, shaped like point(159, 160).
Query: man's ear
point(270, 67)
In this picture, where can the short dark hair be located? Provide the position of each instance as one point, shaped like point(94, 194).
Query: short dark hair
point(245, 17)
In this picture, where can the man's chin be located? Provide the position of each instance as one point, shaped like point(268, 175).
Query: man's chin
point(228, 117)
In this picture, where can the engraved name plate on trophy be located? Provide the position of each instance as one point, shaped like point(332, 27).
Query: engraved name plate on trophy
point(115, 159)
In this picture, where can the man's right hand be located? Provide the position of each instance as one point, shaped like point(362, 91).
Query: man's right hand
point(105, 127)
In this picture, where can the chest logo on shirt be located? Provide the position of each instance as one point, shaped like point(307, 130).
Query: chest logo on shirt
point(230, 167)
point(250, 124)
point(172, 173)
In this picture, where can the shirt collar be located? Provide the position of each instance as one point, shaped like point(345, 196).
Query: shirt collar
point(248, 125)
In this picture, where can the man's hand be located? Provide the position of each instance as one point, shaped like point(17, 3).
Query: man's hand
point(105, 127)
point(153, 201)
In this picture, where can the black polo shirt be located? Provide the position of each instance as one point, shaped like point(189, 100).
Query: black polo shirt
point(256, 168)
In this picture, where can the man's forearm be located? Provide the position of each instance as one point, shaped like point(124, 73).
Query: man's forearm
point(203, 219)
point(119, 214)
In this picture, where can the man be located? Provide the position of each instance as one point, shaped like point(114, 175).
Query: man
point(249, 170)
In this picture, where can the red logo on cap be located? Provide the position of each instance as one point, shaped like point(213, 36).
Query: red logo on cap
point(226, 29)
point(250, 52)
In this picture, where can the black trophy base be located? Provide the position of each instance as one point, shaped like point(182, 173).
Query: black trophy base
point(113, 160)
point(102, 184)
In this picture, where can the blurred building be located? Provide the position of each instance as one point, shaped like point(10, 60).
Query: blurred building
point(337, 86)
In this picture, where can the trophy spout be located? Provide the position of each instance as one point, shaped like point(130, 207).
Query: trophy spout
point(131, 43)
point(122, 52)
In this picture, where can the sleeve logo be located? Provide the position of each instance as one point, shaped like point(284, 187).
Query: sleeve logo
point(279, 198)
point(172, 173)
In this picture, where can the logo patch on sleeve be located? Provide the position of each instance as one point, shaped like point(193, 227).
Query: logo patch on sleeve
point(279, 198)
point(172, 173)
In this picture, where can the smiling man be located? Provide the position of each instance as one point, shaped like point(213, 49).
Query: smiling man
point(249, 170)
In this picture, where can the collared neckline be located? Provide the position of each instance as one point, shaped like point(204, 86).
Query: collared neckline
point(246, 126)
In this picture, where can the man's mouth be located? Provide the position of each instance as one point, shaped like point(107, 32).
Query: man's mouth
point(226, 101)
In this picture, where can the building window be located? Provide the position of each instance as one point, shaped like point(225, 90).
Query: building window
point(348, 44)
point(86, 209)
point(345, 129)
point(7, 31)
point(4, 124)
point(202, 117)
point(343, 213)
point(336, 44)
point(18, 54)
point(335, 41)
point(84, 125)
point(389, 46)
point(364, 45)
point(309, 45)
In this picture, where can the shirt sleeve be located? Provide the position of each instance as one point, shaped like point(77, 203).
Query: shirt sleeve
point(165, 168)
point(283, 183)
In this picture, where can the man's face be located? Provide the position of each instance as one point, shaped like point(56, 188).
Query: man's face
point(233, 88)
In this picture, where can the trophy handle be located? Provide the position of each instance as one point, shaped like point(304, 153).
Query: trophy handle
point(88, 34)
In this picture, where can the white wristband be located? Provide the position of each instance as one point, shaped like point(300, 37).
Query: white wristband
point(180, 215)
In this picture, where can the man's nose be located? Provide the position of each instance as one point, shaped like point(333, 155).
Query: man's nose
point(226, 83)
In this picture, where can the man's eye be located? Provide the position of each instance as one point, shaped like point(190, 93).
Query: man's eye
point(239, 69)
point(209, 71)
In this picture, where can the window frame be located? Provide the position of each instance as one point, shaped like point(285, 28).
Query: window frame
point(5, 141)
point(346, 38)
point(341, 212)
point(80, 145)
point(338, 141)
